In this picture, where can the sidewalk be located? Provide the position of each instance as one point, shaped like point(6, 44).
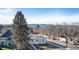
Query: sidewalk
point(64, 44)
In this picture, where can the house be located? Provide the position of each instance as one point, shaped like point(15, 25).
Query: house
point(6, 41)
point(38, 39)
point(5, 38)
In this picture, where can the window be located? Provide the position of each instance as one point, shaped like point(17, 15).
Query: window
point(2, 43)
point(9, 44)
point(36, 40)
point(42, 40)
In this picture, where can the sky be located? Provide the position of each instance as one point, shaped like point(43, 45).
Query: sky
point(41, 15)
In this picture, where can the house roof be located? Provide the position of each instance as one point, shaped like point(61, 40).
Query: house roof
point(5, 33)
point(34, 36)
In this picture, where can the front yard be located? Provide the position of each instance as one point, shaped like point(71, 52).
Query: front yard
point(6, 49)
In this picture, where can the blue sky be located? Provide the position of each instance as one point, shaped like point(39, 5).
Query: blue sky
point(41, 15)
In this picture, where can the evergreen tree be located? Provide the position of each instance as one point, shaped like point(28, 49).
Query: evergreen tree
point(1, 27)
point(20, 32)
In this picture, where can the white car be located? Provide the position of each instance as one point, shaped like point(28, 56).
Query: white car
point(62, 39)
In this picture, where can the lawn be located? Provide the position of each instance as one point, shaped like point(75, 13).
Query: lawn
point(6, 49)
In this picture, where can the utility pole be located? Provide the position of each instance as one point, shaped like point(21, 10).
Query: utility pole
point(66, 34)
point(66, 37)
point(66, 42)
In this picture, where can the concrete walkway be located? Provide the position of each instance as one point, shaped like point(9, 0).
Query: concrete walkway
point(71, 46)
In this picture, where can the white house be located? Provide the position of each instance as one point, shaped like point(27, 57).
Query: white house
point(37, 39)
point(5, 38)
point(5, 41)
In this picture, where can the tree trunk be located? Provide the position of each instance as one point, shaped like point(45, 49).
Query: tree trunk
point(23, 46)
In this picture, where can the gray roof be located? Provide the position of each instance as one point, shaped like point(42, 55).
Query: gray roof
point(33, 36)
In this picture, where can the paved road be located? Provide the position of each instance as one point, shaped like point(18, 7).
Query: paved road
point(71, 46)
point(48, 46)
point(57, 45)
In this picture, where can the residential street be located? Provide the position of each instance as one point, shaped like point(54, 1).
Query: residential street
point(71, 46)
point(48, 46)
